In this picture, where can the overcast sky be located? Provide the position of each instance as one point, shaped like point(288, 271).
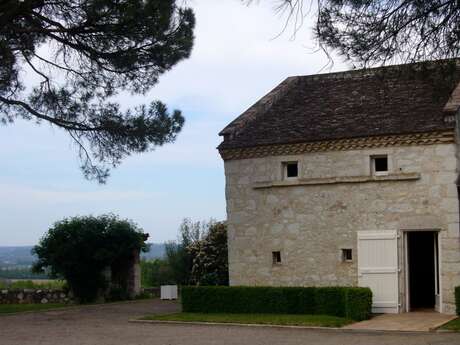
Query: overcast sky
point(235, 61)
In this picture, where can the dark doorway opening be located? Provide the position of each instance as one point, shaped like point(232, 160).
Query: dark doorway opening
point(421, 246)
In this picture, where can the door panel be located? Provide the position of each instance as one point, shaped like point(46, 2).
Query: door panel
point(378, 268)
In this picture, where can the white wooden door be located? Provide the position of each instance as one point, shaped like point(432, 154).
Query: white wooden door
point(378, 268)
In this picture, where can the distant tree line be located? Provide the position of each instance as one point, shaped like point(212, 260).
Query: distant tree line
point(198, 257)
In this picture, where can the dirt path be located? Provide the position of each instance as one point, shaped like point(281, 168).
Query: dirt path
point(108, 325)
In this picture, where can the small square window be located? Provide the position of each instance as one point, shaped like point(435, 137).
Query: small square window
point(380, 165)
point(291, 169)
point(347, 255)
point(276, 257)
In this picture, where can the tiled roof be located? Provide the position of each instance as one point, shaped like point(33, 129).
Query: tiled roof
point(401, 99)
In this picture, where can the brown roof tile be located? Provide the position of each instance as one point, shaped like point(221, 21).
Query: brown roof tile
point(388, 100)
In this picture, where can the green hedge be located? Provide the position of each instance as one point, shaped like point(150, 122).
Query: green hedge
point(457, 299)
point(350, 302)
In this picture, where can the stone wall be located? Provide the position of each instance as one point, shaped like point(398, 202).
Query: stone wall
point(311, 222)
point(29, 296)
point(154, 291)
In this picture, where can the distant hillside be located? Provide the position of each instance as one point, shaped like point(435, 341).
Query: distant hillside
point(21, 257)
point(157, 250)
point(16, 256)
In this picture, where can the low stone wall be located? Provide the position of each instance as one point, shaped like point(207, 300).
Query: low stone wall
point(30, 296)
point(154, 291)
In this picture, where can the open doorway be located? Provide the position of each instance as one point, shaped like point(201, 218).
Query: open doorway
point(422, 257)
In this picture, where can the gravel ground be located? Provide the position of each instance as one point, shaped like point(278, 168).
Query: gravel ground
point(108, 325)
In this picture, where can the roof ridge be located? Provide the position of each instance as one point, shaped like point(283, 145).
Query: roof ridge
point(279, 91)
point(372, 71)
point(366, 102)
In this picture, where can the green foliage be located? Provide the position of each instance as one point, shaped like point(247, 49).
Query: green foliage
point(210, 256)
point(453, 325)
point(304, 294)
point(352, 303)
point(178, 256)
point(199, 257)
point(82, 53)
point(179, 262)
point(384, 31)
point(360, 301)
point(457, 299)
point(80, 248)
point(35, 285)
point(155, 273)
point(330, 301)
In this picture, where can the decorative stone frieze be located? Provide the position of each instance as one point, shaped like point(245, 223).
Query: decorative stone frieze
point(429, 138)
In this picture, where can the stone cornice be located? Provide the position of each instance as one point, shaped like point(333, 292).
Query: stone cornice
point(429, 138)
point(337, 180)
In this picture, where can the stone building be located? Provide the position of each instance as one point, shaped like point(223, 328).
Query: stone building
point(350, 179)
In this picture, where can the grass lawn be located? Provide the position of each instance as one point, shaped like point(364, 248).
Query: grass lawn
point(37, 284)
point(270, 319)
point(453, 325)
point(17, 308)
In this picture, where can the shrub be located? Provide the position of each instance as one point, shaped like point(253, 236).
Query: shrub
point(210, 256)
point(350, 302)
point(359, 303)
point(331, 301)
point(80, 249)
point(457, 299)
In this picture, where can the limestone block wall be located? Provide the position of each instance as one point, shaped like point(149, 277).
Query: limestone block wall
point(310, 223)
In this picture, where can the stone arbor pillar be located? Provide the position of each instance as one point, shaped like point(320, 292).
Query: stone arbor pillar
point(134, 275)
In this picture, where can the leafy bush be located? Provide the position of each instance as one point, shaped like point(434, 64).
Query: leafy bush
point(177, 255)
point(79, 249)
point(198, 257)
point(350, 302)
point(457, 299)
point(210, 256)
point(330, 301)
point(359, 301)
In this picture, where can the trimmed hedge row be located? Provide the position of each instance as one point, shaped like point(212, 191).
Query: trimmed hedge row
point(457, 299)
point(350, 302)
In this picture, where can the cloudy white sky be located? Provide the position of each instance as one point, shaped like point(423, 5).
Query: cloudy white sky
point(235, 61)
